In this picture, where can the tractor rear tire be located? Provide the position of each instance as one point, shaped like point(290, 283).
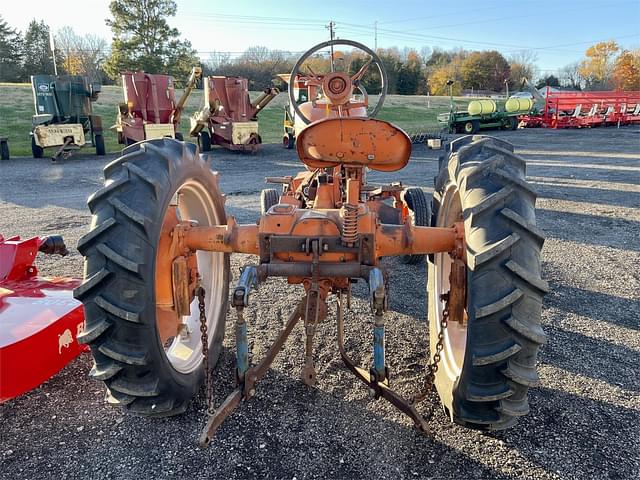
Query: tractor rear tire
point(268, 198)
point(204, 141)
point(288, 141)
point(420, 208)
point(99, 141)
point(36, 150)
point(4, 151)
point(118, 291)
point(488, 365)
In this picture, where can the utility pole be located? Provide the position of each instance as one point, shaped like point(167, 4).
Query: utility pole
point(375, 36)
point(52, 44)
point(330, 27)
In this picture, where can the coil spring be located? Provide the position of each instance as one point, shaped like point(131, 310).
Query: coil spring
point(350, 224)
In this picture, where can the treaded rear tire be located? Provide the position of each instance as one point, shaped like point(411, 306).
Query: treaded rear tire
point(288, 141)
point(504, 287)
point(118, 291)
point(204, 141)
point(36, 149)
point(268, 198)
point(100, 149)
point(417, 202)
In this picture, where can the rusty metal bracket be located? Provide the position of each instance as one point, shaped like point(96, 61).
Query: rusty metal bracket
point(246, 389)
point(248, 281)
point(60, 152)
point(457, 296)
point(312, 314)
point(378, 389)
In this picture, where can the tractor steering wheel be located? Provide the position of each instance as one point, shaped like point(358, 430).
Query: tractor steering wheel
point(355, 79)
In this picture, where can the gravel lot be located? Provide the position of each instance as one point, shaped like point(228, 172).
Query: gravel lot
point(584, 420)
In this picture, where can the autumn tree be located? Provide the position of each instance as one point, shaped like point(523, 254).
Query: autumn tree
point(81, 54)
point(439, 58)
point(626, 71)
point(37, 55)
point(10, 53)
point(522, 65)
point(485, 71)
point(597, 67)
point(409, 75)
point(259, 65)
point(442, 66)
point(392, 63)
point(439, 76)
point(143, 39)
point(438, 82)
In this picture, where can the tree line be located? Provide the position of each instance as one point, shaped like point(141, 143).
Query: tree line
point(440, 72)
point(143, 40)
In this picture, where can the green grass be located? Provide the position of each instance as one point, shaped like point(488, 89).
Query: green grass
point(412, 113)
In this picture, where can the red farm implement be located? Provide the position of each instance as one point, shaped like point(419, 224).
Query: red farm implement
point(586, 109)
point(39, 320)
point(229, 117)
point(150, 109)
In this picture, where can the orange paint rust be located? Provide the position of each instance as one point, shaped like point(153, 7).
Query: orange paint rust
point(164, 259)
point(167, 319)
point(407, 239)
point(355, 142)
point(223, 238)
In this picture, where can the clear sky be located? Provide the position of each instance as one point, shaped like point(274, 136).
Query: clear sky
point(558, 31)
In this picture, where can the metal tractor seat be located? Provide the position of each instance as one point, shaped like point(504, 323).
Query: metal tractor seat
point(354, 142)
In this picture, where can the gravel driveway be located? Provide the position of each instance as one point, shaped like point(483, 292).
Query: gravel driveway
point(584, 420)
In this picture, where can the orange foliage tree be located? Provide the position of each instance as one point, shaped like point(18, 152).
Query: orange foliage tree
point(626, 71)
point(597, 68)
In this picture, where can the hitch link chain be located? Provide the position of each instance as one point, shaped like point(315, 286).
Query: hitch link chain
point(432, 367)
point(204, 338)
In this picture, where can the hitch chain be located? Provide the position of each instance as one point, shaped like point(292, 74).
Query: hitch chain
point(432, 367)
point(204, 338)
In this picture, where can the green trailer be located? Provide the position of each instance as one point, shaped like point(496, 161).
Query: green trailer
point(63, 115)
point(479, 115)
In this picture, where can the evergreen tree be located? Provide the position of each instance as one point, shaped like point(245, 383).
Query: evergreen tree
point(548, 81)
point(37, 50)
point(143, 40)
point(10, 53)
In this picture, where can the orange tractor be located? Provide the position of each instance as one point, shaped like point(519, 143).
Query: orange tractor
point(155, 288)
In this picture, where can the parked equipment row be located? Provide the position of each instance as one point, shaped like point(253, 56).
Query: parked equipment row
point(585, 109)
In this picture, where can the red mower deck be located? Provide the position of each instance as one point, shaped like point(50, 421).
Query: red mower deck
point(39, 319)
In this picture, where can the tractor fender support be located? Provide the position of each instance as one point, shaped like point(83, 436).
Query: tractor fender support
point(407, 239)
point(230, 238)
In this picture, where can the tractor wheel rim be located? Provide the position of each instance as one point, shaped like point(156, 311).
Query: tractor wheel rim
point(184, 352)
point(455, 335)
